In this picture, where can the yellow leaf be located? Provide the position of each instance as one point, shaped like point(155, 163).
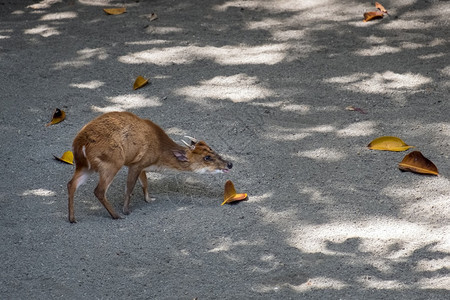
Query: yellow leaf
point(67, 157)
point(417, 163)
point(115, 11)
point(139, 82)
point(230, 194)
point(388, 143)
point(58, 116)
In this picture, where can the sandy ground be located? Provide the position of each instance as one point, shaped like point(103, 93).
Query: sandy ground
point(266, 84)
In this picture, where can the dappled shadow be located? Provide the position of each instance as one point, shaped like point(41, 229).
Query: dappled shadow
point(266, 83)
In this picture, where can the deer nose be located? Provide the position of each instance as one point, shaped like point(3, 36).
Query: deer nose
point(229, 165)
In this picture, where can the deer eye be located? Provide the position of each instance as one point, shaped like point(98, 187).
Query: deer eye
point(207, 158)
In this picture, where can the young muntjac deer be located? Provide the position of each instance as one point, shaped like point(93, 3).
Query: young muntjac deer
point(118, 139)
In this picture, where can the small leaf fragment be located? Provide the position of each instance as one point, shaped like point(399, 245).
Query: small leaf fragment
point(67, 157)
point(371, 15)
point(417, 163)
point(153, 16)
point(139, 82)
point(230, 194)
point(388, 143)
point(115, 11)
point(381, 8)
point(352, 108)
point(57, 117)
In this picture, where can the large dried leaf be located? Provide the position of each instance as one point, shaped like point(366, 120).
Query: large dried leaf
point(371, 15)
point(417, 163)
point(139, 82)
point(381, 8)
point(388, 143)
point(67, 157)
point(115, 11)
point(58, 116)
point(230, 194)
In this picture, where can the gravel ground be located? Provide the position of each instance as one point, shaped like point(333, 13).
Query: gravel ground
point(266, 83)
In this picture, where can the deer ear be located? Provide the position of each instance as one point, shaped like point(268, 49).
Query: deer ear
point(180, 155)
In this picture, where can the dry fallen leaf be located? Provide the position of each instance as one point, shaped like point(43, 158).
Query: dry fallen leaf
point(371, 15)
point(230, 194)
point(388, 143)
point(381, 8)
point(115, 11)
point(153, 17)
point(417, 163)
point(67, 157)
point(58, 116)
point(139, 82)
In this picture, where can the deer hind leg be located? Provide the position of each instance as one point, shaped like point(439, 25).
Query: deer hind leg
point(79, 177)
point(106, 177)
point(144, 183)
point(133, 174)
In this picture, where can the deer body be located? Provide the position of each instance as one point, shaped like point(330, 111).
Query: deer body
point(118, 139)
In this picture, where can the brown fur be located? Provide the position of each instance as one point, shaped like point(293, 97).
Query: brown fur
point(118, 139)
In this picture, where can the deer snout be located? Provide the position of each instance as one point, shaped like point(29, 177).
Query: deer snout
point(229, 165)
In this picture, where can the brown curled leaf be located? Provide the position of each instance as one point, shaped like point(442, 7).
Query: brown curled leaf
point(417, 163)
point(371, 15)
point(381, 8)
